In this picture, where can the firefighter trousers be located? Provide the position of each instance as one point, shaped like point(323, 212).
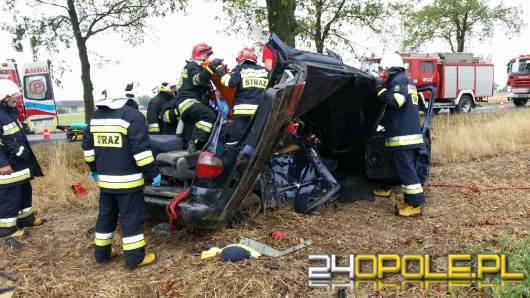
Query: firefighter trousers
point(15, 208)
point(236, 129)
point(405, 162)
point(198, 123)
point(131, 211)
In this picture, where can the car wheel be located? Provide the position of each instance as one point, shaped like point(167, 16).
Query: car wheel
point(436, 111)
point(247, 211)
point(520, 102)
point(464, 105)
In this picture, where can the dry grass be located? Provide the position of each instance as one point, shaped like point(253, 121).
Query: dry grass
point(469, 137)
point(58, 260)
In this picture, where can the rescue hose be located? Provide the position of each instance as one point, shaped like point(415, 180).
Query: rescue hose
point(475, 191)
point(170, 208)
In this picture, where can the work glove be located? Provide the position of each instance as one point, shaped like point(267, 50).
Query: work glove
point(156, 180)
point(221, 70)
point(94, 176)
point(216, 62)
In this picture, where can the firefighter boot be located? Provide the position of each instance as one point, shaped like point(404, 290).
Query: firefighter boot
point(148, 259)
point(382, 192)
point(409, 210)
point(19, 233)
point(191, 147)
point(401, 206)
point(111, 255)
point(38, 222)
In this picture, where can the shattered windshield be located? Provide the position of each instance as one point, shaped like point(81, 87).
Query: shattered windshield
point(519, 66)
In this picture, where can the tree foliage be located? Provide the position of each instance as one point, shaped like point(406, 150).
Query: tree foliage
point(321, 22)
point(76, 21)
point(458, 23)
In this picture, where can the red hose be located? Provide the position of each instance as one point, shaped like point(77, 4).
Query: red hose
point(474, 191)
point(170, 208)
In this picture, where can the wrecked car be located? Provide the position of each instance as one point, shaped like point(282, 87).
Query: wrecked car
point(336, 152)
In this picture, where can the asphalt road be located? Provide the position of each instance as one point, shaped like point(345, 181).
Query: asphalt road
point(61, 137)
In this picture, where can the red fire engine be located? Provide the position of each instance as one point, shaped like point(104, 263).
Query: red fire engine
point(37, 103)
point(462, 80)
point(518, 85)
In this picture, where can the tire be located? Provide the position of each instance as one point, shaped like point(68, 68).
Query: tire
point(247, 211)
point(436, 111)
point(520, 102)
point(465, 104)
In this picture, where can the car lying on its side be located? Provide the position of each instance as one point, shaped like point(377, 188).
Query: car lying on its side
point(336, 152)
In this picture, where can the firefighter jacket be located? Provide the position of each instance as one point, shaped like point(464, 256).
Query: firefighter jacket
point(155, 124)
point(116, 146)
point(15, 150)
point(402, 120)
point(194, 82)
point(250, 80)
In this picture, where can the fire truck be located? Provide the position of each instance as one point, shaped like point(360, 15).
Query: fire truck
point(518, 85)
point(463, 81)
point(37, 102)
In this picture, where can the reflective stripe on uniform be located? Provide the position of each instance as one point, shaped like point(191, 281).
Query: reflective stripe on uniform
point(166, 117)
point(8, 222)
point(20, 151)
point(120, 182)
point(245, 109)
point(103, 239)
point(381, 91)
point(207, 127)
point(225, 79)
point(109, 125)
point(133, 242)
point(250, 72)
point(25, 212)
point(15, 177)
point(413, 93)
point(183, 106)
point(412, 189)
point(404, 140)
point(89, 155)
point(153, 127)
point(10, 128)
point(144, 158)
point(400, 99)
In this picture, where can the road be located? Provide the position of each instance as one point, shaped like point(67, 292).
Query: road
point(61, 137)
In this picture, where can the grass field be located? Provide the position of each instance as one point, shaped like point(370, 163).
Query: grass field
point(487, 151)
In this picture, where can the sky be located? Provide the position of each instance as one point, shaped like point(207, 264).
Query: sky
point(162, 56)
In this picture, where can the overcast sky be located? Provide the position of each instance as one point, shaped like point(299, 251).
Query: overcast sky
point(162, 57)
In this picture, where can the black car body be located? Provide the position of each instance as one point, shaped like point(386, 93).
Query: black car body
point(336, 152)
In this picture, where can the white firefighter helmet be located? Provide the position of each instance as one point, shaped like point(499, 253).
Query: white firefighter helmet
point(166, 87)
point(118, 99)
point(391, 60)
point(8, 89)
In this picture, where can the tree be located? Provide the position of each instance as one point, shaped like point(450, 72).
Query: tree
point(458, 22)
point(143, 100)
point(68, 21)
point(320, 21)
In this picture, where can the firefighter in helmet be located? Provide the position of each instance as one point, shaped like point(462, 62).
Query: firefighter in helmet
point(250, 80)
point(116, 148)
point(18, 165)
point(402, 131)
point(166, 92)
point(192, 102)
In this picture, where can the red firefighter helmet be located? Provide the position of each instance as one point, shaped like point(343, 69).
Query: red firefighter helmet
point(201, 51)
point(246, 54)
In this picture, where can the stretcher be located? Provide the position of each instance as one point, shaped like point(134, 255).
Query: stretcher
point(74, 131)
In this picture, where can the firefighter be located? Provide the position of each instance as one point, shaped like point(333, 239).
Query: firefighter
point(18, 165)
point(166, 92)
point(116, 148)
point(192, 102)
point(250, 80)
point(402, 131)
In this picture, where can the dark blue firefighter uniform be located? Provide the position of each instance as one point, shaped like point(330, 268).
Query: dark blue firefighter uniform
point(192, 104)
point(116, 146)
point(15, 189)
point(250, 80)
point(403, 133)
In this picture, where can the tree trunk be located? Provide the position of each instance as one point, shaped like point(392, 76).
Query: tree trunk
point(319, 42)
point(88, 97)
point(280, 14)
